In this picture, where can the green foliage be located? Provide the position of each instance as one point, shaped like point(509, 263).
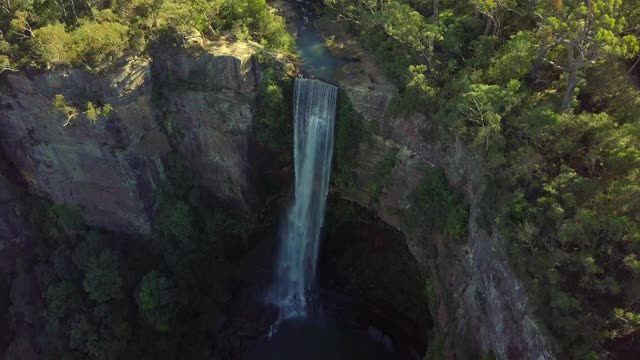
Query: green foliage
point(50, 34)
point(481, 110)
point(54, 45)
point(515, 59)
point(275, 115)
point(103, 281)
point(349, 133)
point(83, 335)
point(156, 301)
point(437, 206)
point(382, 174)
point(176, 221)
point(93, 113)
point(100, 44)
point(62, 299)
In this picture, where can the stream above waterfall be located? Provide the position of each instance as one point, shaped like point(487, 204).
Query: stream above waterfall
point(317, 60)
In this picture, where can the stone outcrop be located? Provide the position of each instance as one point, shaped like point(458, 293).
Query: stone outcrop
point(208, 106)
point(199, 103)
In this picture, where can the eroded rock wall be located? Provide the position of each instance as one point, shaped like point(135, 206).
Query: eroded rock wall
point(198, 103)
point(481, 304)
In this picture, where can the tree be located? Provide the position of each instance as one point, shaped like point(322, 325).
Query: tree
point(62, 299)
point(103, 281)
point(93, 112)
point(99, 45)
point(84, 335)
point(70, 112)
point(484, 106)
point(515, 58)
point(55, 46)
point(156, 301)
point(490, 9)
point(20, 25)
point(5, 52)
point(587, 33)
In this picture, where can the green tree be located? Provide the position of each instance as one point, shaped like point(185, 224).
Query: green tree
point(61, 105)
point(587, 33)
point(84, 335)
point(515, 59)
point(484, 106)
point(55, 46)
point(103, 281)
point(99, 45)
point(156, 301)
point(62, 299)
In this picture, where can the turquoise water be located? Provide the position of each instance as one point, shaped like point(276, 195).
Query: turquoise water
point(317, 60)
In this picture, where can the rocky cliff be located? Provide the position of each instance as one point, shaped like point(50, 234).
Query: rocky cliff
point(197, 103)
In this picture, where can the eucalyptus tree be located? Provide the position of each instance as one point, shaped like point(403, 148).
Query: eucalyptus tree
point(575, 35)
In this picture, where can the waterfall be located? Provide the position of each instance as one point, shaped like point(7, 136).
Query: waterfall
point(314, 115)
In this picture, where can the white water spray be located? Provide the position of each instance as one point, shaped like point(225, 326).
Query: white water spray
point(314, 117)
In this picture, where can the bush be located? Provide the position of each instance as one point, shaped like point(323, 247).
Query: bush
point(349, 133)
point(436, 204)
point(103, 281)
point(156, 301)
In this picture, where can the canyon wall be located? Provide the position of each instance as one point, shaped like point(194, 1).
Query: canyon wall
point(480, 301)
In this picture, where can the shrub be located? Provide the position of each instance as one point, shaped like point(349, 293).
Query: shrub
point(436, 204)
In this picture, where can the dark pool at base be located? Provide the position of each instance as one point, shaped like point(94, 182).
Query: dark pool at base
point(318, 339)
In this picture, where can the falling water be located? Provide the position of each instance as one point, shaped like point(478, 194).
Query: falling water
point(314, 115)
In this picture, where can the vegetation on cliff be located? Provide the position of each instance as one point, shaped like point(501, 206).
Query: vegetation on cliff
point(115, 296)
point(546, 92)
point(96, 33)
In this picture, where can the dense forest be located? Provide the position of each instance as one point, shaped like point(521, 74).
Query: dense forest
point(545, 93)
point(96, 34)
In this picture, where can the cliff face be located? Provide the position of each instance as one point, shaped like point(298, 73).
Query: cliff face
point(199, 104)
point(480, 301)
